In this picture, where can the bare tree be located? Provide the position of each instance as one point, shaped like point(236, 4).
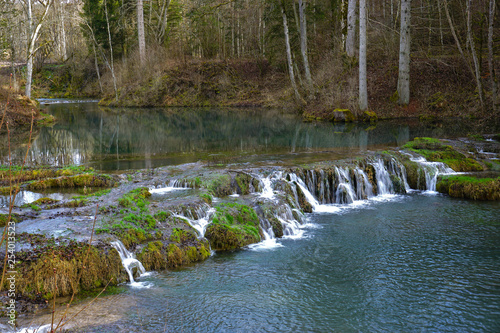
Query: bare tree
point(470, 40)
point(351, 28)
point(140, 32)
point(491, 64)
point(33, 32)
point(404, 53)
point(289, 51)
point(363, 90)
point(303, 42)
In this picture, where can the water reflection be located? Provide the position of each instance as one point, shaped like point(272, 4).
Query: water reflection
point(144, 138)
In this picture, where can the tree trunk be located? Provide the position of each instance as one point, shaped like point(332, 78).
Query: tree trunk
point(404, 53)
point(303, 42)
point(289, 52)
point(363, 91)
point(140, 32)
point(491, 64)
point(470, 39)
point(111, 51)
point(350, 42)
point(32, 38)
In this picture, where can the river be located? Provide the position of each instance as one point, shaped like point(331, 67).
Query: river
point(396, 263)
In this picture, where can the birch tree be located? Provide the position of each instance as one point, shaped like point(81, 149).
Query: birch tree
point(351, 28)
point(303, 42)
point(363, 90)
point(404, 53)
point(140, 32)
point(289, 50)
point(33, 32)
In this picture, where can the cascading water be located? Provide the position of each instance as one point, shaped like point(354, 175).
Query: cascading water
point(200, 219)
point(129, 262)
point(384, 183)
point(345, 193)
point(173, 185)
point(432, 170)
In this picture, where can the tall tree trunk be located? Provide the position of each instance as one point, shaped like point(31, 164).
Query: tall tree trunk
point(455, 37)
point(404, 53)
point(303, 42)
point(470, 39)
point(32, 38)
point(289, 52)
point(363, 90)
point(491, 64)
point(140, 32)
point(111, 51)
point(350, 42)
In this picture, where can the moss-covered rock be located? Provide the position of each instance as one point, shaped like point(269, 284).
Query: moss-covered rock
point(469, 187)
point(233, 226)
point(51, 269)
point(86, 179)
point(435, 150)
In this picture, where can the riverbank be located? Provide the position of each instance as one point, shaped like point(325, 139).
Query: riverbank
point(440, 87)
point(174, 216)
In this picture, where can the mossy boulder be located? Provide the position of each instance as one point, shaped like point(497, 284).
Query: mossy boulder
point(51, 269)
point(86, 179)
point(233, 226)
point(470, 187)
point(435, 150)
point(342, 115)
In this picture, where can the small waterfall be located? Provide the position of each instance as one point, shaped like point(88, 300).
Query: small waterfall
point(291, 220)
point(199, 218)
point(173, 185)
point(384, 182)
point(345, 192)
point(128, 260)
point(364, 188)
point(317, 207)
point(432, 170)
point(267, 189)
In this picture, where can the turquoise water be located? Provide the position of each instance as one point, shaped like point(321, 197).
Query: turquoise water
point(131, 138)
point(414, 263)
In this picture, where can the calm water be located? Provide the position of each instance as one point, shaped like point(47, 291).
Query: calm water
point(131, 138)
point(416, 263)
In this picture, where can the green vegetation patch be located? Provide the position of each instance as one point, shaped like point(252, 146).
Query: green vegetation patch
point(470, 187)
point(436, 151)
point(233, 226)
point(82, 180)
point(5, 217)
point(51, 269)
point(28, 174)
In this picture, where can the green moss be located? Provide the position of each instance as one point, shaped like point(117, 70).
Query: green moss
point(233, 226)
point(436, 151)
point(469, 187)
point(136, 197)
point(153, 257)
point(45, 201)
point(58, 270)
point(82, 180)
point(5, 217)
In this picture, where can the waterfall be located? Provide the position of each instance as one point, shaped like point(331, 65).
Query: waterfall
point(345, 193)
point(317, 207)
point(384, 182)
point(128, 261)
point(173, 185)
point(199, 219)
point(431, 171)
point(364, 188)
point(266, 182)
